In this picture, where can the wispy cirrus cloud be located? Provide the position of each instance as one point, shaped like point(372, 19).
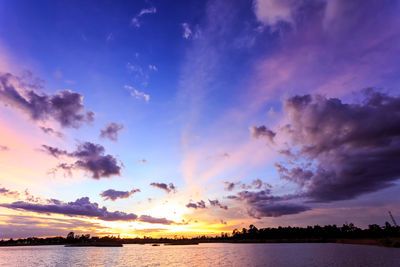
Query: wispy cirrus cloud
point(133, 68)
point(153, 67)
point(136, 21)
point(137, 94)
point(271, 12)
point(189, 32)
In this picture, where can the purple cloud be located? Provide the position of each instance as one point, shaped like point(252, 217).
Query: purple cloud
point(255, 184)
point(229, 186)
point(51, 131)
point(111, 131)
point(80, 207)
point(198, 205)
point(150, 219)
point(263, 204)
point(7, 192)
point(113, 195)
point(167, 188)
point(216, 203)
point(89, 157)
point(262, 132)
point(54, 151)
point(66, 107)
point(339, 150)
point(262, 209)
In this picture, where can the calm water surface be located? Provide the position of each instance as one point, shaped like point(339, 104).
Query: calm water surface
point(203, 255)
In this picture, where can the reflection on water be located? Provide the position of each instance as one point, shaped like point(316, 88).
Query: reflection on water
point(203, 255)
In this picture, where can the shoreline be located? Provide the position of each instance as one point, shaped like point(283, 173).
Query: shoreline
point(381, 242)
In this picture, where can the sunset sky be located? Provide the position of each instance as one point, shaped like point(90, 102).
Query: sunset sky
point(165, 118)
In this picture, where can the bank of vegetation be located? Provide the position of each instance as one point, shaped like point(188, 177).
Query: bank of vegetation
point(387, 235)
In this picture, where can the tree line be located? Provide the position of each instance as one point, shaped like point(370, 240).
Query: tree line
point(314, 233)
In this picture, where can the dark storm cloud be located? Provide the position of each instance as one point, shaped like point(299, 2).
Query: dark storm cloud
point(340, 151)
point(66, 107)
point(150, 219)
point(257, 196)
point(89, 157)
point(80, 207)
point(111, 131)
point(113, 195)
point(262, 132)
point(262, 209)
point(198, 205)
point(262, 204)
point(216, 203)
point(163, 186)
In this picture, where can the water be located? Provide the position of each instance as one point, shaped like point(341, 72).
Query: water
point(203, 255)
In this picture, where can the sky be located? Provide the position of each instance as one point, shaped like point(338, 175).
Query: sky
point(188, 118)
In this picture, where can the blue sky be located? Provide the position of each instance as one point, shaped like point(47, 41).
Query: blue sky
point(203, 92)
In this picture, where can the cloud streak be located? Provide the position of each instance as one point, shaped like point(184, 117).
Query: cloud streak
point(137, 94)
point(113, 195)
point(150, 219)
point(51, 131)
point(197, 205)
point(263, 204)
point(163, 186)
point(145, 11)
point(80, 207)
